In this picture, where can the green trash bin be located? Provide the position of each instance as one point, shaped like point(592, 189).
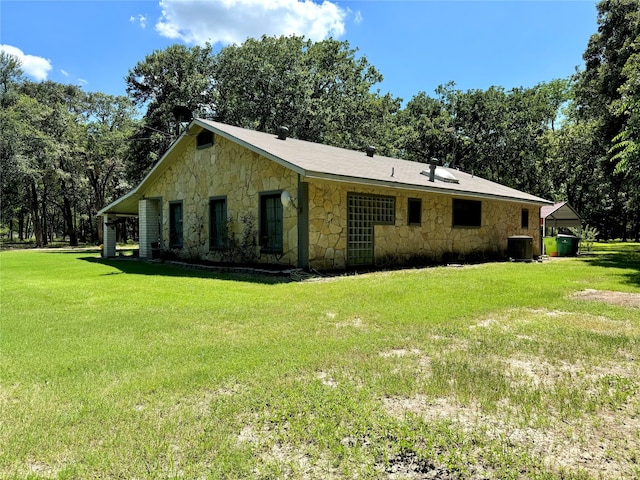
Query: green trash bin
point(567, 245)
point(550, 246)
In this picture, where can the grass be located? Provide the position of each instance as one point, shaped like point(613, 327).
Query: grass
point(124, 369)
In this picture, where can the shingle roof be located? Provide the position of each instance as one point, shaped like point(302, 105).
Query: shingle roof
point(314, 160)
point(318, 161)
point(560, 213)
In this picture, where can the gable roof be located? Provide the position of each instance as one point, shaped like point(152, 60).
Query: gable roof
point(560, 215)
point(317, 161)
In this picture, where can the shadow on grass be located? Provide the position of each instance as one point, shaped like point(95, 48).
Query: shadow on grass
point(622, 256)
point(134, 266)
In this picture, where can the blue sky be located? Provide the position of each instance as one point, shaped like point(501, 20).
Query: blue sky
point(416, 45)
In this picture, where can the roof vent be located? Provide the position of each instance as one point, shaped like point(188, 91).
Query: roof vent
point(371, 150)
point(433, 163)
point(439, 173)
point(283, 133)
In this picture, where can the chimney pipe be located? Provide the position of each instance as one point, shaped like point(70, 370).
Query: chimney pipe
point(433, 163)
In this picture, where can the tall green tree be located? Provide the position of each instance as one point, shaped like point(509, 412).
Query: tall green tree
point(320, 90)
point(12, 178)
point(62, 126)
point(493, 133)
point(110, 122)
point(166, 78)
point(607, 95)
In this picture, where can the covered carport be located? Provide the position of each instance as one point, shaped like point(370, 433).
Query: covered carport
point(557, 219)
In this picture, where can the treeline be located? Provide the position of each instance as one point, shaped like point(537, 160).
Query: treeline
point(66, 153)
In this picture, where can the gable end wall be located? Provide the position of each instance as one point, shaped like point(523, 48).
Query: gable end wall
point(230, 170)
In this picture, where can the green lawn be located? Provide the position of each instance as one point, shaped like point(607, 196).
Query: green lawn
point(124, 369)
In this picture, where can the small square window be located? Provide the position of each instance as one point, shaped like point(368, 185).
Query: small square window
point(415, 211)
point(204, 139)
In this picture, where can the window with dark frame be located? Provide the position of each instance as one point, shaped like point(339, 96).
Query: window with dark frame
point(175, 224)
point(271, 223)
point(524, 218)
point(217, 223)
point(467, 213)
point(204, 139)
point(415, 211)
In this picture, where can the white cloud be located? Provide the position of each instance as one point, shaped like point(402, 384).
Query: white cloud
point(141, 19)
point(82, 82)
point(233, 21)
point(358, 18)
point(64, 72)
point(36, 67)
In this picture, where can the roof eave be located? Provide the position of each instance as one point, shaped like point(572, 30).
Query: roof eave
point(422, 188)
point(153, 173)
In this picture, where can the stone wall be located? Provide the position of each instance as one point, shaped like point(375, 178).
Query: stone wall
point(230, 170)
point(402, 243)
point(233, 171)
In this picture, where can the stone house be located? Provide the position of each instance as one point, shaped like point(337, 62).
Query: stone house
point(224, 193)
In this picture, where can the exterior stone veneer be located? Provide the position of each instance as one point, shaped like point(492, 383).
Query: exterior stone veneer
point(229, 170)
point(399, 243)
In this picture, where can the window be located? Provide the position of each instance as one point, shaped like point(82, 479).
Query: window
point(363, 212)
point(467, 213)
point(271, 223)
point(175, 224)
point(415, 211)
point(217, 223)
point(204, 139)
point(524, 218)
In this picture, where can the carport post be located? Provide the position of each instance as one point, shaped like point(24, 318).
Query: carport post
point(109, 236)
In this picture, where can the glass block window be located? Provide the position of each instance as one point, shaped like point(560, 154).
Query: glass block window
point(363, 212)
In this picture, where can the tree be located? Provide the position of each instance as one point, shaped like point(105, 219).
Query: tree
point(61, 124)
point(319, 90)
point(428, 129)
point(109, 125)
point(11, 178)
point(492, 133)
point(607, 95)
point(164, 79)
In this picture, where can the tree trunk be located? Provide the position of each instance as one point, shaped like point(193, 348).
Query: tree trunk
point(21, 225)
point(35, 212)
point(67, 215)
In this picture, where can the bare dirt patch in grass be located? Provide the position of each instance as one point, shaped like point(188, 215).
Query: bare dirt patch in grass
point(602, 445)
point(399, 352)
point(602, 442)
point(624, 299)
